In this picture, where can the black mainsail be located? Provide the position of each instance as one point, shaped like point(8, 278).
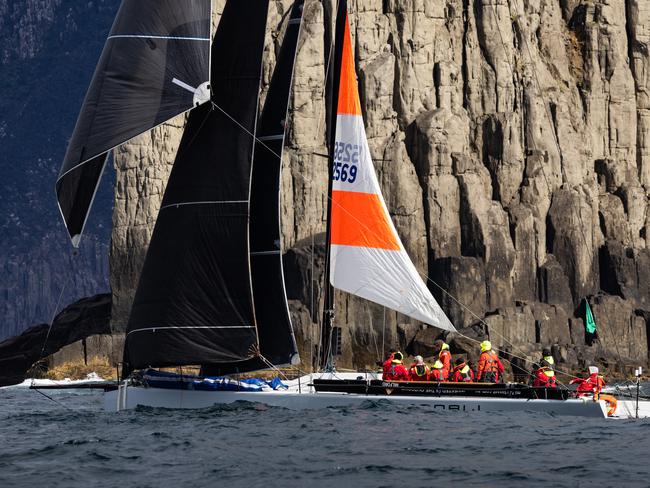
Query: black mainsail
point(194, 303)
point(154, 66)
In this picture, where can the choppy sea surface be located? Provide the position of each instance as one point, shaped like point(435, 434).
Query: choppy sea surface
point(73, 443)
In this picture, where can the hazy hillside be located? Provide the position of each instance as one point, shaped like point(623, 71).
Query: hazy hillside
point(47, 56)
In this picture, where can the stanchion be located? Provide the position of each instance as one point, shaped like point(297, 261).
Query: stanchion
point(638, 373)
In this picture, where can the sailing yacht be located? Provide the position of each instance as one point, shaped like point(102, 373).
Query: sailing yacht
point(212, 290)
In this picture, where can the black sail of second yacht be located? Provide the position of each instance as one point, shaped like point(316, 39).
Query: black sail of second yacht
point(194, 302)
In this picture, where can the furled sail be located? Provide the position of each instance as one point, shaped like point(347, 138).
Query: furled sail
point(367, 256)
point(194, 301)
point(277, 342)
point(154, 66)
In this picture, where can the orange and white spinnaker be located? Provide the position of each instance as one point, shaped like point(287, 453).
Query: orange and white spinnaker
point(367, 256)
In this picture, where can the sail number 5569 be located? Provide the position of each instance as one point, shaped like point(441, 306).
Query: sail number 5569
point(346, 158)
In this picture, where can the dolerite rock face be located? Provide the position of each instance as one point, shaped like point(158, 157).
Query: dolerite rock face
point(83, 319)
point(512, 146)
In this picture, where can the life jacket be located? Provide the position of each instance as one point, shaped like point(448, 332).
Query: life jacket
point(419, 372)
point(489, 366)
point(387, 364)
point(593, 384)
point(397, 372)
point(545, 377)
point(444, 356)
point(463, 372)
point(437, 374)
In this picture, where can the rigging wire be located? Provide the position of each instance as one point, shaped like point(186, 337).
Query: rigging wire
point(326, 353)
point(311, 304)
point(47, 336)
point(425, 276)
point(272, 366)
point(546, 110)
point(51, 398)
point(380, 238)
point(383, 336)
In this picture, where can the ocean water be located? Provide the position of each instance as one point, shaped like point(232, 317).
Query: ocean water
point(73, 443)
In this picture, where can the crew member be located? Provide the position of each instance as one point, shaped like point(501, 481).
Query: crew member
point(544, 377)
point(387, 364)
point(438, 372)
point(593, 386)
point(547, 359)
point(396, 371)
point(462, 371)
point(441, 348)
point(490, 367)
point(418, 370)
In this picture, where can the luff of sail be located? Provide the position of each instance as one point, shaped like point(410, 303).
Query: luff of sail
point(155, 65)
point(367, 255)
point(194, 300)
point(277, 341)
point(275, 333)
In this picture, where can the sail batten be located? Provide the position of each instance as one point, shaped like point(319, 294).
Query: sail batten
point(154, 36)
point(150, 43)
point(368, 258)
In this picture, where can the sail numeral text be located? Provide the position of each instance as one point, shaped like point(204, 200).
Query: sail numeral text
point(346, 158)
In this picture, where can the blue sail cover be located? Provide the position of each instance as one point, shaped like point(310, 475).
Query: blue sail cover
point(162, 379)
point(155, 65)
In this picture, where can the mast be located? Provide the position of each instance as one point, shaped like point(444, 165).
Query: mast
point(366, 257)
point(326, 360)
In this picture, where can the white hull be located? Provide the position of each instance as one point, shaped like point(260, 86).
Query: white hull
point(63, 384)
point(295, 398)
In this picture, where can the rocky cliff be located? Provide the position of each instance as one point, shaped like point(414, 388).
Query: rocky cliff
point(512, 143)
point(80, 331)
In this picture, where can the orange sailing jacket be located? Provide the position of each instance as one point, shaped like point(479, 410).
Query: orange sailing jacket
point(489, 362)
point(420, 373)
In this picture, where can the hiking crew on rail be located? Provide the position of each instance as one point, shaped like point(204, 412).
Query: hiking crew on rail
point(490, 370)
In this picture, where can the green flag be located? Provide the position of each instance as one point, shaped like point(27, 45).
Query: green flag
point(590, 323)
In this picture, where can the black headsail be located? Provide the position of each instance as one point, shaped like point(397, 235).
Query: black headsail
point(154, 66)
point(194, 302)
point(276, 339)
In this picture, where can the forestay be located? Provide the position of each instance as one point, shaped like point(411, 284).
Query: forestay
point(367, 256)
point(155, 65)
